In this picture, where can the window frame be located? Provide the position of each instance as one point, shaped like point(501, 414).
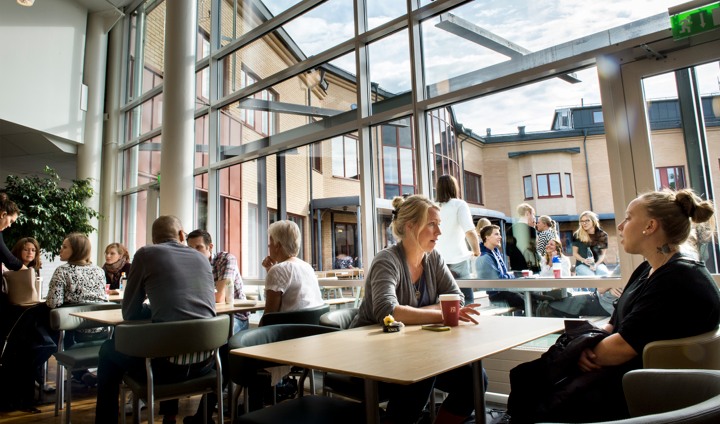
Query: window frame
point(547, 178)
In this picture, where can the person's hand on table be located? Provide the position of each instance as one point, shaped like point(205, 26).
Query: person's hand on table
point(468, 310)
point(616, 291)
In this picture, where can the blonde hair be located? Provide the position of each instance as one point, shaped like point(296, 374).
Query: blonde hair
point(547, 221)
point(410, 210)
point(287, 234)
point(482, 223)
point(580, 233)
point(524, 208)
point(122, 250)
point(676, 211)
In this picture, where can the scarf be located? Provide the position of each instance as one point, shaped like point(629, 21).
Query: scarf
point(113, 270)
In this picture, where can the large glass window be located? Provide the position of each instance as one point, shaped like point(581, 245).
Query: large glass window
point(344, 157)
point(398, 158)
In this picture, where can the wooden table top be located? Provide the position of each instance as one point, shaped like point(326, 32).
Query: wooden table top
point(114, 316)
point(406, 357)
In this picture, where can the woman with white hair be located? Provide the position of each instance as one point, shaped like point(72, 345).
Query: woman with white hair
point(291, 283)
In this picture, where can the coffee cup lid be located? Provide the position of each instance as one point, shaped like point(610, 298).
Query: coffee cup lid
point(451, 296)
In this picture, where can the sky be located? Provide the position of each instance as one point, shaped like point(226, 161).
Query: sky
point(534, 25)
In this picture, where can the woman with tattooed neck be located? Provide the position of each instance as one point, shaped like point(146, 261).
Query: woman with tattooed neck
point(656, 225)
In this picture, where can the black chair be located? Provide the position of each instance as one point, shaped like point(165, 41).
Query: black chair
point(308, 410)
point(339, 318)
point(244, 371)
point(170, 339)
point(301, 316)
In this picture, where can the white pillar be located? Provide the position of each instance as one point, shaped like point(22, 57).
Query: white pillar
point(178, 135)
point(108, 226)
point(89, 153)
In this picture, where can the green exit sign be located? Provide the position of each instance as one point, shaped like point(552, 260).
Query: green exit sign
point(695, 21)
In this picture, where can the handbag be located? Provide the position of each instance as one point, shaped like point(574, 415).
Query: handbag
point(21, 287)
point(578, 306)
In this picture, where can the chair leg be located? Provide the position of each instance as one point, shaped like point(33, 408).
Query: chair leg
point(137, 411)
point(60, 388)
point(246, 400)
point(123, 418)
point(68, 395)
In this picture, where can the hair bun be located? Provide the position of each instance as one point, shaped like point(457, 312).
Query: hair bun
point(693, 206)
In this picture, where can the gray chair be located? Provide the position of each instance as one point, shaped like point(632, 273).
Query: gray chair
point(169, 339)
point(79, 356)
point(244, 370)
point(660, 396)
point(339, 318)
point(301, 316)
point(696, 352)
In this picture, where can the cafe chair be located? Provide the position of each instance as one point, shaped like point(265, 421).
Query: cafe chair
point(308, 410)
point(244, 371)
point(300, 316)
point(170, 339)
point(656, 396)
point(701, 352)
point(79, 356)
point(339, 318)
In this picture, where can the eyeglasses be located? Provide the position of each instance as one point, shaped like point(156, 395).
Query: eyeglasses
point(584, 221)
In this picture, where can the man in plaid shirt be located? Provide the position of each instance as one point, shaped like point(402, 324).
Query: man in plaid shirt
point(224, 269)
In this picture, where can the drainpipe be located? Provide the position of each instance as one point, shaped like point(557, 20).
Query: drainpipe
point(587, 167)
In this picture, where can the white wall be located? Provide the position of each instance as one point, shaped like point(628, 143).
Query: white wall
point(41, 61)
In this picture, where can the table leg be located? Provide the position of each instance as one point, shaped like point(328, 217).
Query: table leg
point(372, 412)
point(479, 389)
point(528, 304)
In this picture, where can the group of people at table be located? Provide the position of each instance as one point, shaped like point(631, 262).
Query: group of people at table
point(532, 244)
point(406, 279)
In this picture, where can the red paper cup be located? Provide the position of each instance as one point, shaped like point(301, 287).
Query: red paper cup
point(557, 272)
point(525, 272)
point(450, 304)
point(107, 288)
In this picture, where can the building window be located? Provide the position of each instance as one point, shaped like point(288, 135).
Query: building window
point(598, 117)
point(672, 177)
point(568, 185)
point(444, 144)
point(344, 157)
point(473, 188)
point(253, 236)
point(398, 158)
point(548, 185)
point(345, 252)
point(316, 157)
point(261, 121)
point(528, 187)
point(300, 221)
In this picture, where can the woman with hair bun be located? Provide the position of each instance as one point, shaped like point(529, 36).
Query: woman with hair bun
point(656, 225)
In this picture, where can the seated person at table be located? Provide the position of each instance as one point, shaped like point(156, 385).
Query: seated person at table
point(117, 263)
point(178, 282)
point(405, 281)
point(491, 266)
point(27, 250)
point(225, 273)
point(656, 224)
point(291, 283)
point(554, 248)
point(78, 281)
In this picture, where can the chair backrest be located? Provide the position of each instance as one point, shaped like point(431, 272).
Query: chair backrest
point(301, 316)
point(61, 320)
point(339, 318)
point(661, 395)
point(165, 339)
point(696, 352)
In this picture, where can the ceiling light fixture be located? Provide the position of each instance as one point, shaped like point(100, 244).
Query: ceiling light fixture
point(26, 3)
